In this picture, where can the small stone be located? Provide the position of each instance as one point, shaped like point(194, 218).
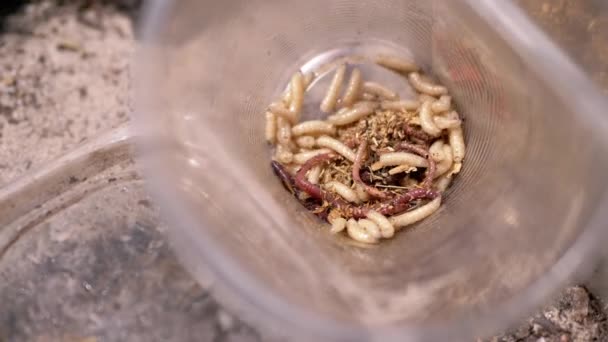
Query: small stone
point(578, 306)
point(87, 286)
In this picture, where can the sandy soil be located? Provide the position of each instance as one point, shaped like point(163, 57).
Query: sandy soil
point(63, 78)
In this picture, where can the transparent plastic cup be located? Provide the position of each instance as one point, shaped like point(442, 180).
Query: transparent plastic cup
point(522, 217)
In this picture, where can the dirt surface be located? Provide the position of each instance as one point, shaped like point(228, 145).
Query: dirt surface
point(576, 316)
point(93, 274)
point(580, 27)
point(64, 77)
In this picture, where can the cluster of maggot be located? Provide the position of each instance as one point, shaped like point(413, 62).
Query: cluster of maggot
point(376, 163)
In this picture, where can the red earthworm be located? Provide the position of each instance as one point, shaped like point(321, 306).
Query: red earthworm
point(303, 184)
point(402, 202)
point(430, 171)
point(316, 191)
point(366, 176)
point(390, 207)
point(316, 207)
point(285, 177)
point(416, 133)
point(288, 181)
point(419, 150)
point(360, 158)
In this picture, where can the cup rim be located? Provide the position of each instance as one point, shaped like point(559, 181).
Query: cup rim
point(261, 305)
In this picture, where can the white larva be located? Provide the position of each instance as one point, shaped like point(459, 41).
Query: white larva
point(426, 87)
point(351, 94)
point(443, 104)
point(343, 190)
point(326, 177)
point(313, 127)
point(339, 147)
point(308, 78)
point(426, 120)
point(283, 155)
point(457, 142)
point(424, 98)
point(306, 141)
point(297, 95)
point(442, 183)
point(270, 130)
point(416, 215)
point(402, 158)
point(368, 97)
point(292, 146)
point(386, 227)
point(333, 92)
point(456, 168)
point(279, 109)
point(447, 120)
point(436, 151)
point(403, 105)
point(401, 169)
point(376, 166)
point(370, 227)
point(415, 121)
point(286, 98)
point(357, 233)
point(314, 174)
point(361, 193)
point(446, 163)
point(338, 224)
point(379, 90)
point(283, 131)
point(302, 196)
point(303, 157)
point(347, 116)
point(399, 64)
point(292, 169)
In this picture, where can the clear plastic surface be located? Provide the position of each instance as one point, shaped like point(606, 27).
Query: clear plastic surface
point(524, 214)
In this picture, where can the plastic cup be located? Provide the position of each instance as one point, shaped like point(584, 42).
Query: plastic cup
point(525, 213)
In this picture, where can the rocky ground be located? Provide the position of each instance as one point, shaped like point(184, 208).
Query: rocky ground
point(577, 315)
point(65, 77)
